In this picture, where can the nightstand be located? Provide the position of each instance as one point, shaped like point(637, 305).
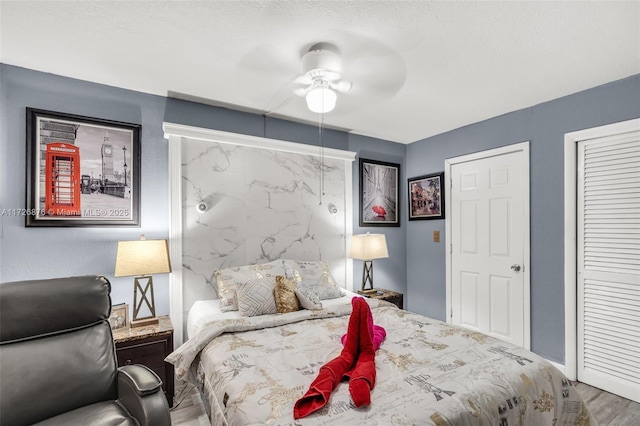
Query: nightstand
point(148, 345)
point(388, 295)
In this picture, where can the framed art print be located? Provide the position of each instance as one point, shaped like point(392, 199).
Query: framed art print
point(426, 197)
point(379, 191)
point(119, 316)
point(81, 171)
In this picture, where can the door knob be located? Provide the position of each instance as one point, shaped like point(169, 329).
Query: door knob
point(515, 268)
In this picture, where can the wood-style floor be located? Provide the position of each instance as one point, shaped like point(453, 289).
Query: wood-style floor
point(608, 409)
point(188, 409)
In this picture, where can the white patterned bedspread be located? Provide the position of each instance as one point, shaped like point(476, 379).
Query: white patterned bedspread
point(428, 373)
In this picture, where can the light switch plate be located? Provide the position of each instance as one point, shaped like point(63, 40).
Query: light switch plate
point(436, 236)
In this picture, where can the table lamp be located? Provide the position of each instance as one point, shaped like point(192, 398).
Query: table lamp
point(368, 247)
point(142, 258)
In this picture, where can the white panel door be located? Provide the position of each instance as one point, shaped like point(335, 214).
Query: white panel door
point(608, 257)
point(487, 245)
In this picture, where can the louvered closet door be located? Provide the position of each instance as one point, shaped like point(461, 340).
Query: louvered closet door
point(609, 263)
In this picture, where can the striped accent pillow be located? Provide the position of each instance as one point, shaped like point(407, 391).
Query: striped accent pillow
point(256, 297)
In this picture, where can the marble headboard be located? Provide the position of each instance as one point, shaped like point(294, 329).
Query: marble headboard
point(246, 200)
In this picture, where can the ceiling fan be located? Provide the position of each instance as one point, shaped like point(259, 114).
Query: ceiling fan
point(321, 78)
point(367, 69)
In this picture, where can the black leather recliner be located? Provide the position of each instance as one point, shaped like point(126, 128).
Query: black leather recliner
point(58, 363)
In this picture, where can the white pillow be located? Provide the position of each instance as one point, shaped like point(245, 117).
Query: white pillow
point(227, 279)
point(308, 298)
point(313, 274)
point(256, 297)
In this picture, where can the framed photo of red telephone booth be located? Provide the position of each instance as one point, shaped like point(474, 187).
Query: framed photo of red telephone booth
point(81, 171)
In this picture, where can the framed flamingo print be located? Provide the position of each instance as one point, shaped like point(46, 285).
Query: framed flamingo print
point(379, 191)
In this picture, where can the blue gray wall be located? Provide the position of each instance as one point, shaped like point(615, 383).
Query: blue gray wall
point(389, 273)
point(32, 253)
point(416, 265)
point(544, 126)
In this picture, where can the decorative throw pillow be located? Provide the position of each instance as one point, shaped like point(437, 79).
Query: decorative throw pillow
point(286, 300)
point(270, 269)
point(228, 278)
point(255, 297)
point(313, 273)
point(308, 298)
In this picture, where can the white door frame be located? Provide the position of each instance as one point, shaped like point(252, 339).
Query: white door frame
point(448, 164)
point(570, 238)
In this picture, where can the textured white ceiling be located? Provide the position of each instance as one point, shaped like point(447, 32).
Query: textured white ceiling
point(418, 68)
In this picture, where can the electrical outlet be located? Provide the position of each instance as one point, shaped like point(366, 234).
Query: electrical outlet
point(436, 236)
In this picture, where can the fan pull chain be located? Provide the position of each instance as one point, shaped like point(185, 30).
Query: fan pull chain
point(320, 123)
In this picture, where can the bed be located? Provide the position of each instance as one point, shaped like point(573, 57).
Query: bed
point(252, 369)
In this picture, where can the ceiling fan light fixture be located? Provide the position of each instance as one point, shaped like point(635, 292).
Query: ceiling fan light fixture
point(321, 99)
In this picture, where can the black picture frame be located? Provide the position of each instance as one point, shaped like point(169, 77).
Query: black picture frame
point(379, 193)
point(426, 197)
point(81, 171)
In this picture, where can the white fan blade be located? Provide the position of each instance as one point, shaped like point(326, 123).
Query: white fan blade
point(342, 86)
point(303, 79)
point(302, 91)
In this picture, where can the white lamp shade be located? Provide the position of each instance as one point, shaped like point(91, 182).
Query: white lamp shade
point(368, 247)
point(321, 99)
point(142, 257)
